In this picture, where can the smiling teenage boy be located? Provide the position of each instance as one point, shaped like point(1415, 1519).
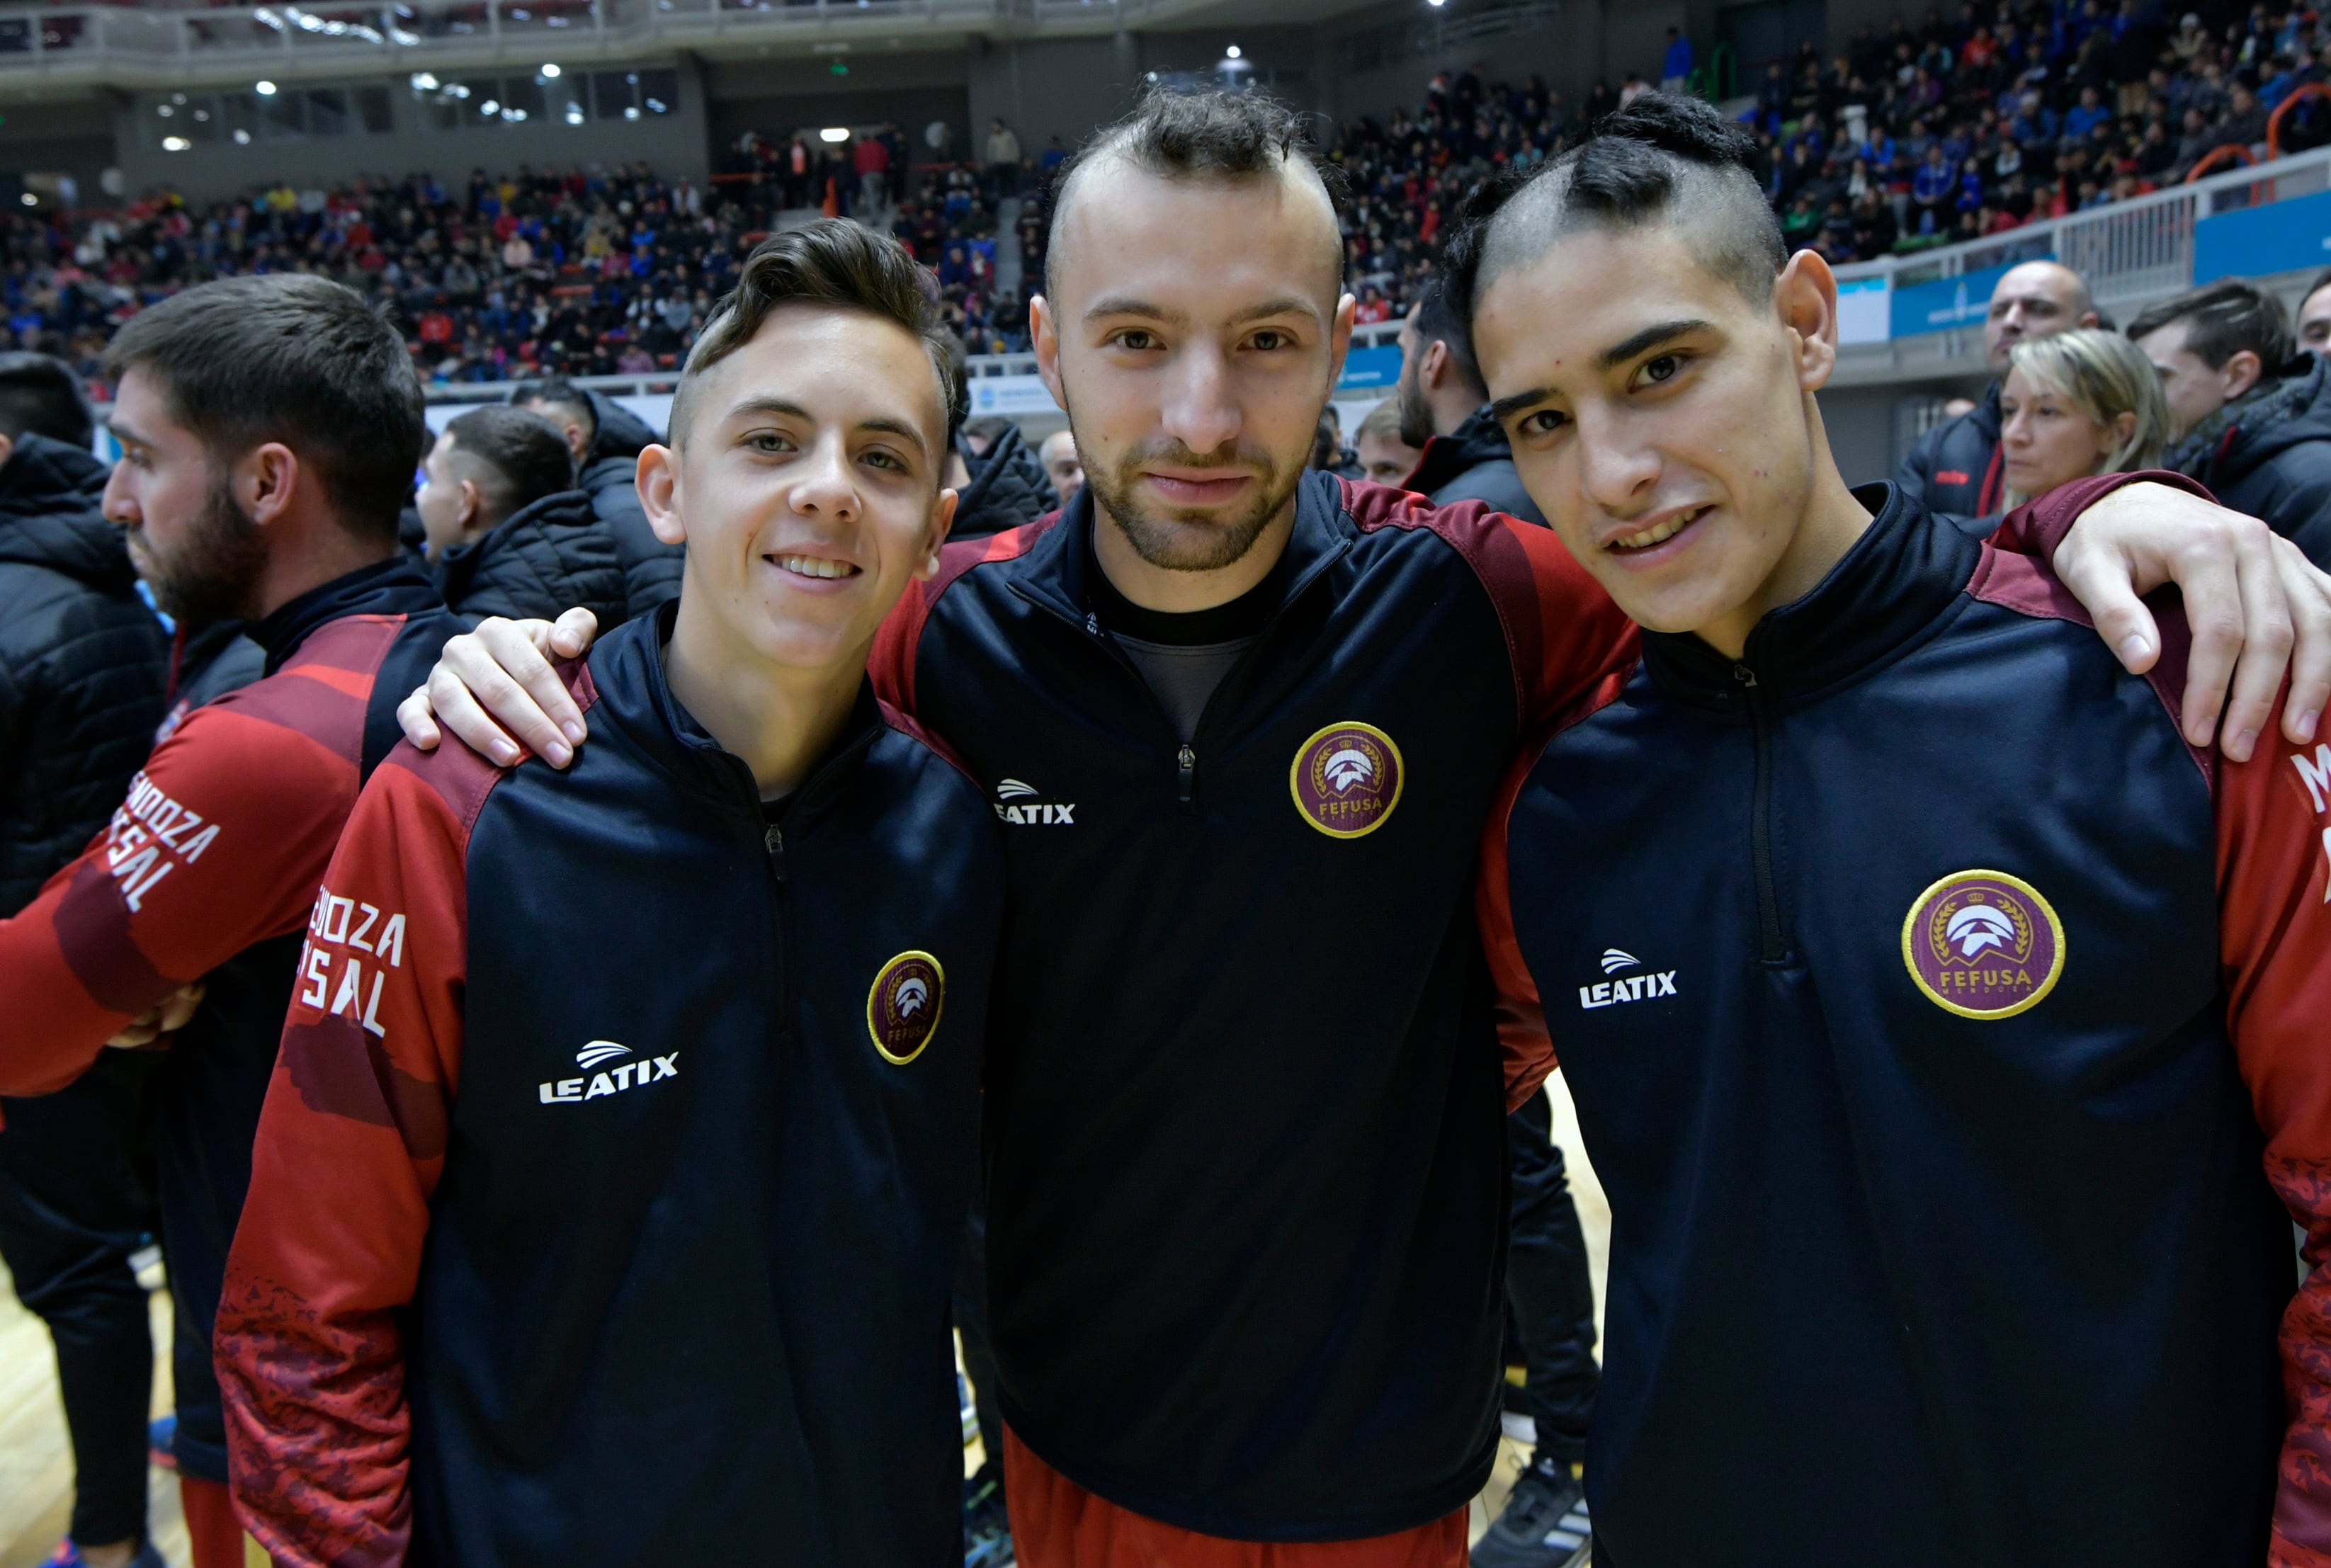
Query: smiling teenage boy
point(1929, 1003)
point(607, 1195)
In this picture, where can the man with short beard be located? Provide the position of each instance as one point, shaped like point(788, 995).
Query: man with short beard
point(269, 428)
point(1245, 1101)
point(1444, 413)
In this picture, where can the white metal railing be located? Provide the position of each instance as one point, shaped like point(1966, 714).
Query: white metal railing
point(146, 39)
point(2144, 245)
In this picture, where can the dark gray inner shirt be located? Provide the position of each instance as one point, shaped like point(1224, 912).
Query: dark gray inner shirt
point(1184, 657)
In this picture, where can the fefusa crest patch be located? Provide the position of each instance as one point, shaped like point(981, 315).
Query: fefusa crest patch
point(1982, 945)
point(902, 1009)
point(1346, 779)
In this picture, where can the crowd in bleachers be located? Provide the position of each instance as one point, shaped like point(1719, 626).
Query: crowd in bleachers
point(1950, 129)
point(1928, 134)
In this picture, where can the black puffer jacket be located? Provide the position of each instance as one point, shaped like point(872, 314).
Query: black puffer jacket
point(1954, 468)
point(1008, 487)
point(651, 566)
point(2272, 459)
point(538, 561)
point(1474, 462)
point(81, 664)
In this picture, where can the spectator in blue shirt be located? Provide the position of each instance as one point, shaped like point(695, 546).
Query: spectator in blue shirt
point(1676, 69)
point(2087, 115)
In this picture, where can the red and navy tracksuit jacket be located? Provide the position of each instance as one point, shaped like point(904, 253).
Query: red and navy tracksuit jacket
point(1244, 1112)
point(611, 1181)
point(1943, 1030)
point(207, 872)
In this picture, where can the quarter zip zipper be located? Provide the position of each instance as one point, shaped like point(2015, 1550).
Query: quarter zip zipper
point(1772, 945)
point(773, 840)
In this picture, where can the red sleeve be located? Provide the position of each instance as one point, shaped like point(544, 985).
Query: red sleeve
point(1524, 1042)
point(309, 1353)
point(1564, 633)
point(2038, 527)
point(218, 845)
point(2274, 887)
point(892, 662)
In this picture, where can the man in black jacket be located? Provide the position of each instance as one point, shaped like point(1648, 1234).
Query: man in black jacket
point(81, 664)
point(2259, 439)
point(605, 438)
point(1441, 412)
point(507, 531)
point(1954, 468)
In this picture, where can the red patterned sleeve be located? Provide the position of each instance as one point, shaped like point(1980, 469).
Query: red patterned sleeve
point(350, 1147)
point(2274, 835)
point(218, 845)
point(1524, 1042)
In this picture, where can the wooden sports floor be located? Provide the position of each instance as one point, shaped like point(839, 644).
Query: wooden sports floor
point(36, 1464)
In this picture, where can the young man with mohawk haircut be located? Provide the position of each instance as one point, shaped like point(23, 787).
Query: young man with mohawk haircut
point(1942, 1022)
point(1245, 1105)
point(556, 1261)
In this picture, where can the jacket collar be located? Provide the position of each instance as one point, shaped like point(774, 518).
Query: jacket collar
point(1882, 596)
point(627, 668)
point(1052, 571)
point(392, 587)
point(1479, 440)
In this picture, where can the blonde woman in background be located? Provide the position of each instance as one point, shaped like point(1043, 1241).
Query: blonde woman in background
point(2080, 403)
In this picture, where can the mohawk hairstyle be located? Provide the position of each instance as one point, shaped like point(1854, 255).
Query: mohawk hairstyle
point(1663, 158)
point(1193, 136)
point(832, 262)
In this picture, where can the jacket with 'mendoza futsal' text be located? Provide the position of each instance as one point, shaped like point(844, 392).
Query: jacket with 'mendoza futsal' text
point(1942, 1028)
point(608, 1194)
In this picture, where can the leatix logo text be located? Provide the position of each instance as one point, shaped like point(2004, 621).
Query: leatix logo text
point(1627, 987)
point(610, 1073)
point(1016, 802)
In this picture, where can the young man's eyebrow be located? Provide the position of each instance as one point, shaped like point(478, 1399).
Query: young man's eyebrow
point(1120, 305)
point(1505, 408)
point(1652, 336)
point(124, 434)
point(897, 427)
point(1289, 305)
point(795, 411)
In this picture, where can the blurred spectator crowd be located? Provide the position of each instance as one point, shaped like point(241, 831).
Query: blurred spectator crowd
point(1951, 128)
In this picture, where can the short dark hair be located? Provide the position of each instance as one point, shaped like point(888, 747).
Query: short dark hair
point(1187, 136)
point(40, 396)
point(2320, 281)
point(1436, 322)
point(2221, 319)
point(559, 393)
point(989, 428)
point(836, 263)
point(1664, 156)
point(292, 357)
point(523, 455)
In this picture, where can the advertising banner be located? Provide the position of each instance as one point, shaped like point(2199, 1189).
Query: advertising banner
point(2290, 236)
point(1944, 304)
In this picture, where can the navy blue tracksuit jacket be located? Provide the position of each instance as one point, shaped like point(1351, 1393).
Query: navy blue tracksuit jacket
point(1245, 1112)
point(608, 1193)
point(1888, 969)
